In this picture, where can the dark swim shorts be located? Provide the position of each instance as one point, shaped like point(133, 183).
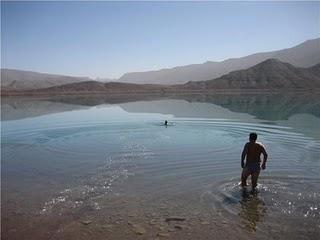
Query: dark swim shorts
point(253, 167)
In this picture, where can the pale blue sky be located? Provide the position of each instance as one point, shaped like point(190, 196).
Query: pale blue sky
point(108, 39)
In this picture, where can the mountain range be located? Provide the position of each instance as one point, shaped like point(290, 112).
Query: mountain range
point(305, 54)
point(270, 75)
point(12, 79)
point(296, 67)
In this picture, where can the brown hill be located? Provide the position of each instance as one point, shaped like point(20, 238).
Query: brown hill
point(89, 87)
point(270, 74)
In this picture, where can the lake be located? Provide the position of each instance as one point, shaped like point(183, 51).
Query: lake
point(106, 167)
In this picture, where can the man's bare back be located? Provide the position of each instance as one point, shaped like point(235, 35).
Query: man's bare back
point(251, 153)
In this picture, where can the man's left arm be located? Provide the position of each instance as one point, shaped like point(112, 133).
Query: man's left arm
point(243, 155)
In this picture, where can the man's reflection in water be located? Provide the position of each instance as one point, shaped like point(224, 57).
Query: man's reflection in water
point(252, 210)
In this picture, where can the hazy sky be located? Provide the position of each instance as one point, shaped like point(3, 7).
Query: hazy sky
point(107, 39)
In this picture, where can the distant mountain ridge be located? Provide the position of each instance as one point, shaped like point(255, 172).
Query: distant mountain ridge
point(12, 79)
point(305, 54)
point(270, 74)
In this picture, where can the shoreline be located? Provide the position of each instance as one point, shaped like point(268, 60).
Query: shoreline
point(159, 93)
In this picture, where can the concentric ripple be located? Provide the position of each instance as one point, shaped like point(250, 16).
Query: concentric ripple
point(190, 157)
point(292, 196)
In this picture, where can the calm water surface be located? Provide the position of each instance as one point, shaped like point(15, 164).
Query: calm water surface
point(69, 160)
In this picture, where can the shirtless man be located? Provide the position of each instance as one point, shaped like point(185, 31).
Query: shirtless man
point(251, 152)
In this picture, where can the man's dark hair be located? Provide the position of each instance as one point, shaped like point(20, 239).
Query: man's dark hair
point(253, 136)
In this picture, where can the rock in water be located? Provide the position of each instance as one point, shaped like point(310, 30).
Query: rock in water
point(163, 234)
point(168, 219)
point(204, 223)
point(178, 227)
point(86, 222)
point(138, 229)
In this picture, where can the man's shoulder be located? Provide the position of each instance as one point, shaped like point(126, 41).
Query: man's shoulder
point(260, 144)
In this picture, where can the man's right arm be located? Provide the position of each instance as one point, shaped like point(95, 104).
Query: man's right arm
point(243, 155)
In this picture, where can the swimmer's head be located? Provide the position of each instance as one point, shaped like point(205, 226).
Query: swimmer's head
point(253, 137)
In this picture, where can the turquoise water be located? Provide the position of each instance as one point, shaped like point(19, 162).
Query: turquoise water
point(62, 157)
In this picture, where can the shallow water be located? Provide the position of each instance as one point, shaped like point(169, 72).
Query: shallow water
point(67, 160)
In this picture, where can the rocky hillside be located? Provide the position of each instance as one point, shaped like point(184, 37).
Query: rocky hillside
point(270, 74)
point(90, 87)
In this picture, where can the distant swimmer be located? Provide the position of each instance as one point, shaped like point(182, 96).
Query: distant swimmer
point(166, 123)
point(251, 152)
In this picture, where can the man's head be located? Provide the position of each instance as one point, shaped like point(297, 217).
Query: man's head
point(253, 137)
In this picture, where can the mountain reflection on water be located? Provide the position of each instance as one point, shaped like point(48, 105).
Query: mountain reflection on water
point(262, 106)
point(303, 109)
